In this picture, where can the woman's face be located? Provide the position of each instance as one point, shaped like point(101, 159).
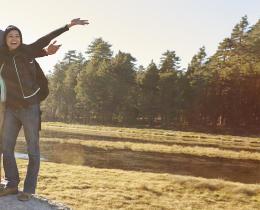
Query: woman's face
point(13, 40)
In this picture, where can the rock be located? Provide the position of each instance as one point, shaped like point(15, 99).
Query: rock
point(10, 202)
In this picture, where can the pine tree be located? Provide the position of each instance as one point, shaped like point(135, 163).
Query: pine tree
point(149, 95)
point(169, 62)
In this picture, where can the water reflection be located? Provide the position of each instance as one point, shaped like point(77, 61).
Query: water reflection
point(21, 155)
point(56, 152)
point(25, 156)
point(246, 171)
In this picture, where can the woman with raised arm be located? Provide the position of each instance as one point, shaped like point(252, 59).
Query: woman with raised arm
point(19, 71)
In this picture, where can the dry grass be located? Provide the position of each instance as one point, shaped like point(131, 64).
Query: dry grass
point(173, 149)
point(82, 187)
point(152, 140)
point(89, 188)
point(158, 136)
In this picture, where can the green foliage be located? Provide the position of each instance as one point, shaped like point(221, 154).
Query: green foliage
point(99, 50)
point(222, 90)
point(149, 93)
point(169, 62)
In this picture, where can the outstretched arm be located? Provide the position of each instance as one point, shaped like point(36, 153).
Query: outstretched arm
point(37, 46)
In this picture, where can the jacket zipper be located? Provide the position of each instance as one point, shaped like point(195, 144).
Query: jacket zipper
point(21, 83)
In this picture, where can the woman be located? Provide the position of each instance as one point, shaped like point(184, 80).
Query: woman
point(50, 50)
point(19, 71)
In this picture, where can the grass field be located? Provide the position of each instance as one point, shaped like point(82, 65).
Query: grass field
point(84, 187)
point(155, 140)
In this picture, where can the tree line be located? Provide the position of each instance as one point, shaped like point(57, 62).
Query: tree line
point(218, 91)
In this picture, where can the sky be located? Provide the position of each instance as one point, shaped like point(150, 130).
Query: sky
point(144, 28)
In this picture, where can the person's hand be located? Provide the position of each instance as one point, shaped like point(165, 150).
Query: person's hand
point(52, 48)
point(77, 21)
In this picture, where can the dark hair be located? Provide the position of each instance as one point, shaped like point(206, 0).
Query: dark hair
point(11, 28)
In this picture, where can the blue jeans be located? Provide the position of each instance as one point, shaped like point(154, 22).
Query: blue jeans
point(29, 118)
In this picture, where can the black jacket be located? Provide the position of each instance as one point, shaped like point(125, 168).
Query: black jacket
point(22, 73)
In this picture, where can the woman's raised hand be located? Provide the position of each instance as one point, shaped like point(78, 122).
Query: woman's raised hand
point(77, 21)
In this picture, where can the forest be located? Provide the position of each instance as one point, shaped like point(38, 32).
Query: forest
point(217, 92)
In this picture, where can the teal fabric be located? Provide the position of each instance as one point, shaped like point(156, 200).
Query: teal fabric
point(2, 87)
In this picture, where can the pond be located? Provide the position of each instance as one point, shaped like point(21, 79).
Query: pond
point(246, 171)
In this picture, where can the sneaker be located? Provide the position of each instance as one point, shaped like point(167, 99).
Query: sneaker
point(8, 191)
point(23, 196)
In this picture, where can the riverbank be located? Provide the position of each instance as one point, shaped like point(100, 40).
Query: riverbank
point(131, 168)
